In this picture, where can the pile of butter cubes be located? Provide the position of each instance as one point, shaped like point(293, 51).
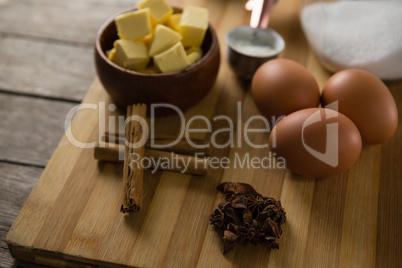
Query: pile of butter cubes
point(152, 39)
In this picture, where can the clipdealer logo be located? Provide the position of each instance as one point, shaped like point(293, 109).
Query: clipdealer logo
point(238, 130)
point(331, 154)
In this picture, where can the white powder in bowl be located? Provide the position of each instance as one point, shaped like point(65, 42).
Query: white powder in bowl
point(247, 47)
point(356, 34)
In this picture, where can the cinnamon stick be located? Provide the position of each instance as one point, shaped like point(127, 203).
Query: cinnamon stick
point(133, 174)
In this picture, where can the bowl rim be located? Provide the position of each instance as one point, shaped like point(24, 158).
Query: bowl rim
point(193, 67)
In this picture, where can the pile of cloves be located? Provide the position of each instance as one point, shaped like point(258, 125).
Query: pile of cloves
point(247, 216)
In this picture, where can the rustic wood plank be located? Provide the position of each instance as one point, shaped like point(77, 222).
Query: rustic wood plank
point(42, 198)
point(170, 193)
point(74, 21)
point(16, 184)
point(30, 133)
point(324, 228)
point(297, 198)
point(389, 235)
point(54, 70)
point(190, 230)
point(360, 213)
point(63, 69)
point(6, 260)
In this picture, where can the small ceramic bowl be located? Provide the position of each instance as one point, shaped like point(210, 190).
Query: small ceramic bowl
point(182, 89)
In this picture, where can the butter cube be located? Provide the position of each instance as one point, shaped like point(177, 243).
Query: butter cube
point(130, 54)
point(194, 57)
point(110, 54)
point(194, 54)
point(193, 25)
point(173, 59)
point(150, 70)
point(163, 39)
point(193, 49)
point(174, 22)
point(160, 11)
point(133, 25)
point(147, 40)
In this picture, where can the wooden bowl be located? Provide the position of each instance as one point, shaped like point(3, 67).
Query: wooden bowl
point(182, 89)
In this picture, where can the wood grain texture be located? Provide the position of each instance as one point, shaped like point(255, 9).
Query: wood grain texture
point(16, 184)
point(22, 141)
point(389, 217)
point(72, 215)
point(47, 49)
point(327, 219)
point(49, 69)
point(72, 21)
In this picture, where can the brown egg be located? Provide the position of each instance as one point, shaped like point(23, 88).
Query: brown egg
point(280, 87)
point(366, 100)
point(316, 142)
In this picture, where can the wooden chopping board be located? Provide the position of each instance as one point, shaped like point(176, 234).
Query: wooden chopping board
point(72, 218)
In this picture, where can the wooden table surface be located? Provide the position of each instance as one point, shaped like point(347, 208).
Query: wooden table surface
point(46, 68)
